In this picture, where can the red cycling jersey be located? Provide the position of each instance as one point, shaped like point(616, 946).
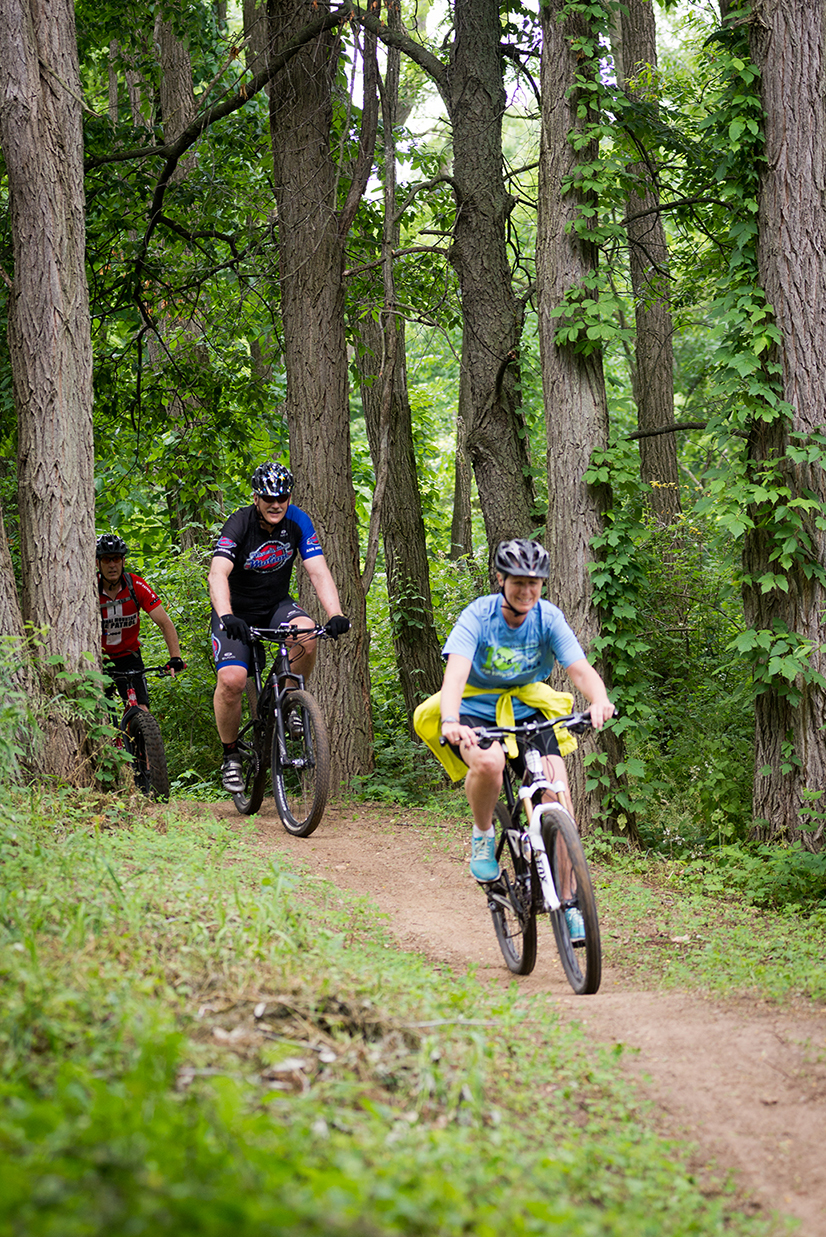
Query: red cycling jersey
point(121, 616)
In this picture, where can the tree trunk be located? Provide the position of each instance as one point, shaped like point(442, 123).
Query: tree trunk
point(788, 45)
point(390, 432)
point(573, 384)
point(648, 258)
point(461, 525)
point(311, 260)
point(415, 640)
point(489, 399)
point(50, 336)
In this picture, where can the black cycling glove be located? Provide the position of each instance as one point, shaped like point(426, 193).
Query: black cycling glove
point(235, 627)
point(337, 625)
point(175, 663)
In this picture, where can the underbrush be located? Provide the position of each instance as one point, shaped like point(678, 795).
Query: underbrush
point(734, 920)
point(196, 1039)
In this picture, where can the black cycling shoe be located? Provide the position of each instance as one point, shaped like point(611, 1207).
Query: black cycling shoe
point(232, 774)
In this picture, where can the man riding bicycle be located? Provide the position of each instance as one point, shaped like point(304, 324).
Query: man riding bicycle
point(501, 648)
point(122, 596)
point(249, 583)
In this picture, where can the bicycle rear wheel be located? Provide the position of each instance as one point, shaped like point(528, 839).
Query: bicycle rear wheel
point(301, 765)
point(510, 900)
point(581, 959)
point(148, 755)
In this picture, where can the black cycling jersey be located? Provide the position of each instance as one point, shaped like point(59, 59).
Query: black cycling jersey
point(263, 560)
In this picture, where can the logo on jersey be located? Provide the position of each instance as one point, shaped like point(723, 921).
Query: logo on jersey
point(505, 662)
point(269, 557)
point(225, 543)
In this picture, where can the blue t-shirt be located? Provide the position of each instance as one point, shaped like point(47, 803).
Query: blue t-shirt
point(503, 656)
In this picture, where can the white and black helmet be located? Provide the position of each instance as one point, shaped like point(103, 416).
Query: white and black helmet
point(272, 480)
point(520, 557)
point(110, 545)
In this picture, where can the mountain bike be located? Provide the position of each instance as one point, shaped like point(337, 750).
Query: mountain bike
point(542, 865)
point(285, 734)
point(140, 735)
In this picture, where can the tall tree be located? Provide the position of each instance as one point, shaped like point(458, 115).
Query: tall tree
point(788, 44)
point(491, 425)
point(489, 385)
point(311, 235)
point(50, 333)
point(576, 410)
point(636, 57)
point(397, 506)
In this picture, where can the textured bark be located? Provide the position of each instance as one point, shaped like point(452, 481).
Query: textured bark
point(311, 259)
point(403, 535)
point(50, 336)
point(390, 432)
point(489, 401)
point(461, 526)
point(788, 43)
point(576, 411)
point(648, 259)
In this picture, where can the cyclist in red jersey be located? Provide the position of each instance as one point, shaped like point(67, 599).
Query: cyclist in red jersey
point(122, 596)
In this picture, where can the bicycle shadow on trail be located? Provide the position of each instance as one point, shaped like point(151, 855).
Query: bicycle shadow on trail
point(743, 1080)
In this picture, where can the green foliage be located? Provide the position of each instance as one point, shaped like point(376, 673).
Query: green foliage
point(19, 730)
point(403, 773)
point(670, 611)
point(731, 919)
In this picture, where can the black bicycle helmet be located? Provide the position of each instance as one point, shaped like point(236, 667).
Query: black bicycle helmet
point(110, 545)
point(522, 558)
point(272, 480)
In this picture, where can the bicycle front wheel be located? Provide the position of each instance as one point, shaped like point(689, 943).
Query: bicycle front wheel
point(577, 939)
point(301, 765)
point(511, 901)
point(249, 800)
point(148, 755)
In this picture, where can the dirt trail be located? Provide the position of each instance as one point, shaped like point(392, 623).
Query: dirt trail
point(745, 1082)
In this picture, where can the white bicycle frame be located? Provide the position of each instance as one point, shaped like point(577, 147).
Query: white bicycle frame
point(535, 812)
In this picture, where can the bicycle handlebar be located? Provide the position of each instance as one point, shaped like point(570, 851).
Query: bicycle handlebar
point(161, 671)
point(577, 723)
point(288, 631)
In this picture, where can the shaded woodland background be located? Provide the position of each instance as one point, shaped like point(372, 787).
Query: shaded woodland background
point(475, 271)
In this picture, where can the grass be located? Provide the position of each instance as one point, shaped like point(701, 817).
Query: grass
point(662, 918)
point(194, 1040)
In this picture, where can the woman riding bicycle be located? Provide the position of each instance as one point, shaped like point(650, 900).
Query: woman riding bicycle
point(501, 648)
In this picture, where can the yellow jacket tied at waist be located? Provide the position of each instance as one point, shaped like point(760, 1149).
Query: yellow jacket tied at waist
point(427, 720)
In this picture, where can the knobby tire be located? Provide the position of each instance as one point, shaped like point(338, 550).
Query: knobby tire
point(301, 768)
point(250, 799)
point(148, 755)
point(581, 962)
point(511, 902)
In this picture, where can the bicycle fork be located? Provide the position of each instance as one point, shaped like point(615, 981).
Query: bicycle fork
point(535, 843)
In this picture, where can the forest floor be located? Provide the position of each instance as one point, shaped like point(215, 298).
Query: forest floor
point(743, 1082)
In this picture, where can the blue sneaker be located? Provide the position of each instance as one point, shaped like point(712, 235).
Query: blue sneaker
point(483, 865)
point(575, 922)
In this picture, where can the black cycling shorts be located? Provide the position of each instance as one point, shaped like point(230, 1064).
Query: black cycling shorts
point(228, 652)
point(544, 742)
point(129, 661)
